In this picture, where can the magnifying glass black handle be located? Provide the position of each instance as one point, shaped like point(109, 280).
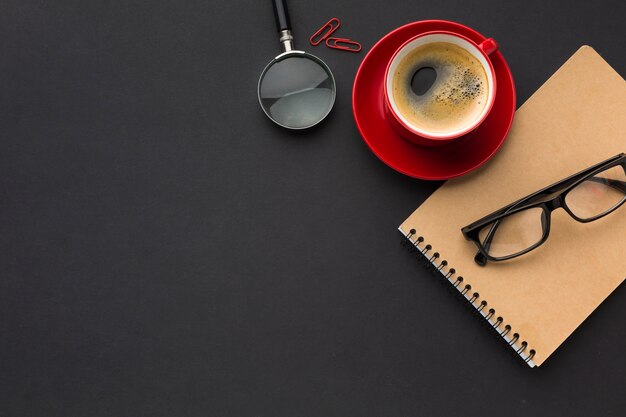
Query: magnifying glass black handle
point(282, 15)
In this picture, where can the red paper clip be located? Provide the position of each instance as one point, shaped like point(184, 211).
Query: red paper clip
point(325, 31)
point(343, 44)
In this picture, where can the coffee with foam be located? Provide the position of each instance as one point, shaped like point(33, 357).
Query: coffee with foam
point(453, 100)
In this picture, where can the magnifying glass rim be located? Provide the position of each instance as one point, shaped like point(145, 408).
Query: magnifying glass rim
point(308, 55)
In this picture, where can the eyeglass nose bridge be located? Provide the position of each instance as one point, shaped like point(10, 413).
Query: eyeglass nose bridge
point(555, 203)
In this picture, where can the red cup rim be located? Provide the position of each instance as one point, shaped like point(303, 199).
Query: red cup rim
point(468, 129)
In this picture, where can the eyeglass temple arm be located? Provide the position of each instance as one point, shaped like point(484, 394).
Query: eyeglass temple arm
point(617, 184)
point(480, 258)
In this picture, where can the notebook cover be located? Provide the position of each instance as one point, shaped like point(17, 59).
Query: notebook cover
point(576, 119)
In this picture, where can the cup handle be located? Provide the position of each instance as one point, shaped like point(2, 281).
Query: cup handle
point(489, 46)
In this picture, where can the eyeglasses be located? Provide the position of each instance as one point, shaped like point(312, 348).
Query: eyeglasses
point(525, 224)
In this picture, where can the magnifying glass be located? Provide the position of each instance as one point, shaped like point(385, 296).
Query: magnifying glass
point(296, 89)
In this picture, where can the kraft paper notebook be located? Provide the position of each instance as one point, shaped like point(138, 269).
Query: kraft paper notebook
point(535, 302)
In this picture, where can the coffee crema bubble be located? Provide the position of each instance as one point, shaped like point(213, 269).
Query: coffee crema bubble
point(451, 99)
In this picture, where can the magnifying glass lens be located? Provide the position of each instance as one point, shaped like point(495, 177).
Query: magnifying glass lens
point(297, 91)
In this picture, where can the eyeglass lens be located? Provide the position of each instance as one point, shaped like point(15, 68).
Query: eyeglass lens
point(599, 194)
point(513, 234)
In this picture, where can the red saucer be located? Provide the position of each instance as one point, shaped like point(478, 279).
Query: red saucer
point(434, 163)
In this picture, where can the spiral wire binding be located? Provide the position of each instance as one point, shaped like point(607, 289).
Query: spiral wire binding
point(494, 322)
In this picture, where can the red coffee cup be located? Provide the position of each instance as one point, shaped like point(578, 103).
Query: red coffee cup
point(420, 135)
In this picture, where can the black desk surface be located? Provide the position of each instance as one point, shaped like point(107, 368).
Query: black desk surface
point(167, 251)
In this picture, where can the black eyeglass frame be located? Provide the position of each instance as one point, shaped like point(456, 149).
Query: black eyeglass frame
point(548, 199)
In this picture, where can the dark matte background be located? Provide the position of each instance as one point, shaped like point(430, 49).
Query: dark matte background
point(165, 250)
